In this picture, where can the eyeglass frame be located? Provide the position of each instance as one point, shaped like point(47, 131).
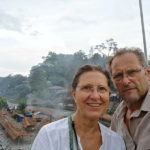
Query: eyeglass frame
point(130, 74)
point(90, 89)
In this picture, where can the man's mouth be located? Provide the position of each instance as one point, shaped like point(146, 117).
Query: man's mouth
point(127, 89)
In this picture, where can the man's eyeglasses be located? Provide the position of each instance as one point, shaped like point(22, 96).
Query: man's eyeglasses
point(130, 73)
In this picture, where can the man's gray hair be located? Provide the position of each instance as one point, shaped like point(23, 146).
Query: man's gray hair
point(137, 51)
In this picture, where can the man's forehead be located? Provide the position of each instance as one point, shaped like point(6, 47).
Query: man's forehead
point(126, 68)
point(125, 59)
point(128, 55)
point(125, 62)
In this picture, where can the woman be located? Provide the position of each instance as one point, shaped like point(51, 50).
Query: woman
point(82, 131)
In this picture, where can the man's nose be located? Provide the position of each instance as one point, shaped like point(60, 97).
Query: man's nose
point(125, 79)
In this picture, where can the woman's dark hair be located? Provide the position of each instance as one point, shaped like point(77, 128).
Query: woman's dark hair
point(89, 68)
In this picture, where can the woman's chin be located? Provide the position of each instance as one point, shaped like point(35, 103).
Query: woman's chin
point(94, 115)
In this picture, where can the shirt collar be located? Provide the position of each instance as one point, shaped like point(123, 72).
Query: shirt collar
point(146, 103)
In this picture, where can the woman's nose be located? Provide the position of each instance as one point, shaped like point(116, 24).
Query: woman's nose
point(94, 93)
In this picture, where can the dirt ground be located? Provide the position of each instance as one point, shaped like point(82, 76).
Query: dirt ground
point(25, 143)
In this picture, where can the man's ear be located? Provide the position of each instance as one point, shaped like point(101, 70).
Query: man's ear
point(148, 72)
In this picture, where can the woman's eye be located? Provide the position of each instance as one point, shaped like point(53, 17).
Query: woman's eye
point(87, 87)
point(101, 88)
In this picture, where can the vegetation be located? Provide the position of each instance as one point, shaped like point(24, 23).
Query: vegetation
point(55, 72)
point(22, 105)
point(3, 103)
point(14, 87)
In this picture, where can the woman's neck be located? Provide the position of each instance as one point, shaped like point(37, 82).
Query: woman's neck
point(83, 124)
point(88, 129)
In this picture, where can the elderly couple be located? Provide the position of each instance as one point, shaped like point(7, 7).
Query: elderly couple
point(130, 126)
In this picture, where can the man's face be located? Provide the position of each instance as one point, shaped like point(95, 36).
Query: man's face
point(129, 77)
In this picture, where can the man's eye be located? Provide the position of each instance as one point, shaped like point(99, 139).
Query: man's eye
point(131, 72)
point(119, 75)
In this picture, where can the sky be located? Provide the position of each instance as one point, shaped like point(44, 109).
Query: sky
point(29, 29)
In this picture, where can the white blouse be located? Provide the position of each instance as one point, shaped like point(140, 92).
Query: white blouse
point(55, 136)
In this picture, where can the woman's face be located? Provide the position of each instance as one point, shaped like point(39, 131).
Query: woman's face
point(91, 95)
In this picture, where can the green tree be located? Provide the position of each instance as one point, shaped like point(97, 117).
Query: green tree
point(3, 103)
point(37, 80)
point(106, 48)
point(97, 59)
point(10, 87)
point(22, 104)
point(80, 57)
point(51, 58)
point(22, 90)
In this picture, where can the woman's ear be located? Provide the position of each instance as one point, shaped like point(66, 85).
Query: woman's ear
point(73, 95)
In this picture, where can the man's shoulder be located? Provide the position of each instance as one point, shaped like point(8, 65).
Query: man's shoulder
point(120, 109)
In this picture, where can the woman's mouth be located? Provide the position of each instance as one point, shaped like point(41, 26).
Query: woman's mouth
point(94, 104)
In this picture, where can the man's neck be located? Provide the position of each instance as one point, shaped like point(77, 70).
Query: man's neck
point(131, 107)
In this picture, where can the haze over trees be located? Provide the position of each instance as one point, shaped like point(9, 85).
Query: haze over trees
point(51, 79)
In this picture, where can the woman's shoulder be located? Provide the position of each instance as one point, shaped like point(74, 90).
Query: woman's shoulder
point(107, 131)
point(56, 125)
point(52, 135)
point(111, 138)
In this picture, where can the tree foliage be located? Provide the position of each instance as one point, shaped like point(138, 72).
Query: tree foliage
point(14, 87)
point(55, 70)
point(22, 105)
point(3, 103)
point(37, 80)
point(106, 48)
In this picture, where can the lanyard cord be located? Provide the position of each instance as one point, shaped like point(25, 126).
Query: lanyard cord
point(71, 130)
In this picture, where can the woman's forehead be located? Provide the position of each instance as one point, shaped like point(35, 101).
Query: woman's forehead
point(92, 77)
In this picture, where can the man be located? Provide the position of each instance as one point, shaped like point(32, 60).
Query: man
point(131, 75)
